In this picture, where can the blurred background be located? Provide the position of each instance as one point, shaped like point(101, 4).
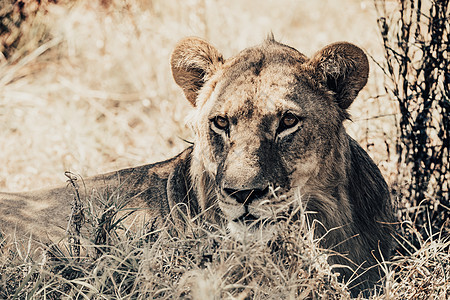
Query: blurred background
point(86, 86)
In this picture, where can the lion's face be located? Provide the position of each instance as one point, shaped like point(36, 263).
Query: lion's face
point(264, 126)
point(257, 136)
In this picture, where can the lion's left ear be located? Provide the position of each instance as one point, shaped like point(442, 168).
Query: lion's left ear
point(343, 68)
point(193, 62)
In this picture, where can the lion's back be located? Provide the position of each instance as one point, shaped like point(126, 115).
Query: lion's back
point(46, 213)
point(38, 213)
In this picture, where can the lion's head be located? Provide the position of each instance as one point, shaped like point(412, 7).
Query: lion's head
point(268, 125)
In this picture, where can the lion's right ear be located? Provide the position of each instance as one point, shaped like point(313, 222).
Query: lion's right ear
point(193, 62)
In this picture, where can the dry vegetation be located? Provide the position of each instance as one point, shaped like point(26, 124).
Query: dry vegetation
point(85, 86)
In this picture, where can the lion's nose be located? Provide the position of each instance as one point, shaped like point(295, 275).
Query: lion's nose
point(246, 196)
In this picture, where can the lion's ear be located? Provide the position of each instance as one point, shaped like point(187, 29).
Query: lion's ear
point(343, 68)
point(193, 62)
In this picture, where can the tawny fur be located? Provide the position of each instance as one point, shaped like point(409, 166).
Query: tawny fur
point(313, 163)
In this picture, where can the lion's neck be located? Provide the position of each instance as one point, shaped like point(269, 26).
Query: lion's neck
point(326, 192)
point(204, 186)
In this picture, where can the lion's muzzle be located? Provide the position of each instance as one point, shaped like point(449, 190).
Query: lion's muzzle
point(244, 202)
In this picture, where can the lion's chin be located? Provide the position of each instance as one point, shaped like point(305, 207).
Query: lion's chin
point(255, 232)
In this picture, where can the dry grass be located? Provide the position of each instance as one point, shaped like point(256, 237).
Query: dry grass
point(203, 262)
point(88, 89)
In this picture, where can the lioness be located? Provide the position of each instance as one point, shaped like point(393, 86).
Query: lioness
point(269, 136)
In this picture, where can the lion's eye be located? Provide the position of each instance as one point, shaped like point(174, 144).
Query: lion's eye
point(221, 122)
point(289, 120)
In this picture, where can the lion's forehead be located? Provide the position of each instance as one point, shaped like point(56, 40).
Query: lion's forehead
point(259, 83)
point(256, 95)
